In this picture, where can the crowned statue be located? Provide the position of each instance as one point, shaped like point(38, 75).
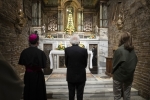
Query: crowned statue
point(70, 25)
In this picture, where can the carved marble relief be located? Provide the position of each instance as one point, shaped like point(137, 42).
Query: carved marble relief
point(88, 22)
point(52, 22)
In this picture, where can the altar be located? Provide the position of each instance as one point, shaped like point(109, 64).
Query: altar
point(54, 58)
point(50, 45)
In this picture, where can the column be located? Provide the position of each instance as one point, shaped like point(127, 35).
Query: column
point(59, 17)
point(39, 13)
point(60, 20)
point(82, 19)
point(36, 17)
point(36, 13)
point(79, 20)
point(101, 14)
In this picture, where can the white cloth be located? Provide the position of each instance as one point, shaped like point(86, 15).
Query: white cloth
point(58, 52)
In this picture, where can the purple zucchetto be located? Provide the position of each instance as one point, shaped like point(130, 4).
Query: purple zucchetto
point(33, 38)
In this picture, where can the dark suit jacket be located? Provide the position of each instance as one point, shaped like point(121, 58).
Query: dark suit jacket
point(76, 63)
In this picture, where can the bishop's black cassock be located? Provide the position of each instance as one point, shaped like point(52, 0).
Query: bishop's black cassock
point(34, 60)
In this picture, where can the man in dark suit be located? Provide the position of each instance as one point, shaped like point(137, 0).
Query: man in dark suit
point(76, 62)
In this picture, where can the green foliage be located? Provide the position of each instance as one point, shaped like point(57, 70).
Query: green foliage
point(61, 47)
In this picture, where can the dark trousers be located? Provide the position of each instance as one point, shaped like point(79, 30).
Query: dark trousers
point(78, 87)
point(120, 88)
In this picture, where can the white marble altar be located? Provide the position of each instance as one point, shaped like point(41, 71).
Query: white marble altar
point(54, 58)
point(102, 49)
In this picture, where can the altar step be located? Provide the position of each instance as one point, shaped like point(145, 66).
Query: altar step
point(102, 98)
point(93, 89)
point(88, 93)
point(89, 84)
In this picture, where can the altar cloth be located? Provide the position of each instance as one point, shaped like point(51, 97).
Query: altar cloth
point(61, 52)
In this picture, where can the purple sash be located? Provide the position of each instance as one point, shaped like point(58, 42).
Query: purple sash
point(33, 69)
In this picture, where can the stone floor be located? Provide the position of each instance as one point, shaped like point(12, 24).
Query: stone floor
point(57, 90)
point(61, 75)
point(105, 98)
point(101, 89)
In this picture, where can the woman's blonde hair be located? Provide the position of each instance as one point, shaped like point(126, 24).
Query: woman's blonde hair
point(126, 39)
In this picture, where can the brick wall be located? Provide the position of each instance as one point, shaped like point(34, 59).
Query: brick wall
point(12, 42)
point(137, 22)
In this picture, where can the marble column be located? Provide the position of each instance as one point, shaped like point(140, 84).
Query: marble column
point(36, 17)
point(79, 20)
point(36, 13)
point(39, 13)
point(82, 19)
point(101, 14)
point(60, 20)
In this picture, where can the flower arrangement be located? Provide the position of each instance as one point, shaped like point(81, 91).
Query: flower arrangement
point(49, 36)
point(60, 47)
point(92, 36)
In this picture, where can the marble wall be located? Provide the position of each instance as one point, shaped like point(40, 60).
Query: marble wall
point(103, 53)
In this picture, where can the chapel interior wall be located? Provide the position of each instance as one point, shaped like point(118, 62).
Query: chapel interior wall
point(136, 21)
point(12, 39)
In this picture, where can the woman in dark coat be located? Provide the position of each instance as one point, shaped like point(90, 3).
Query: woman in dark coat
point(124, 64)
point(34, 60)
